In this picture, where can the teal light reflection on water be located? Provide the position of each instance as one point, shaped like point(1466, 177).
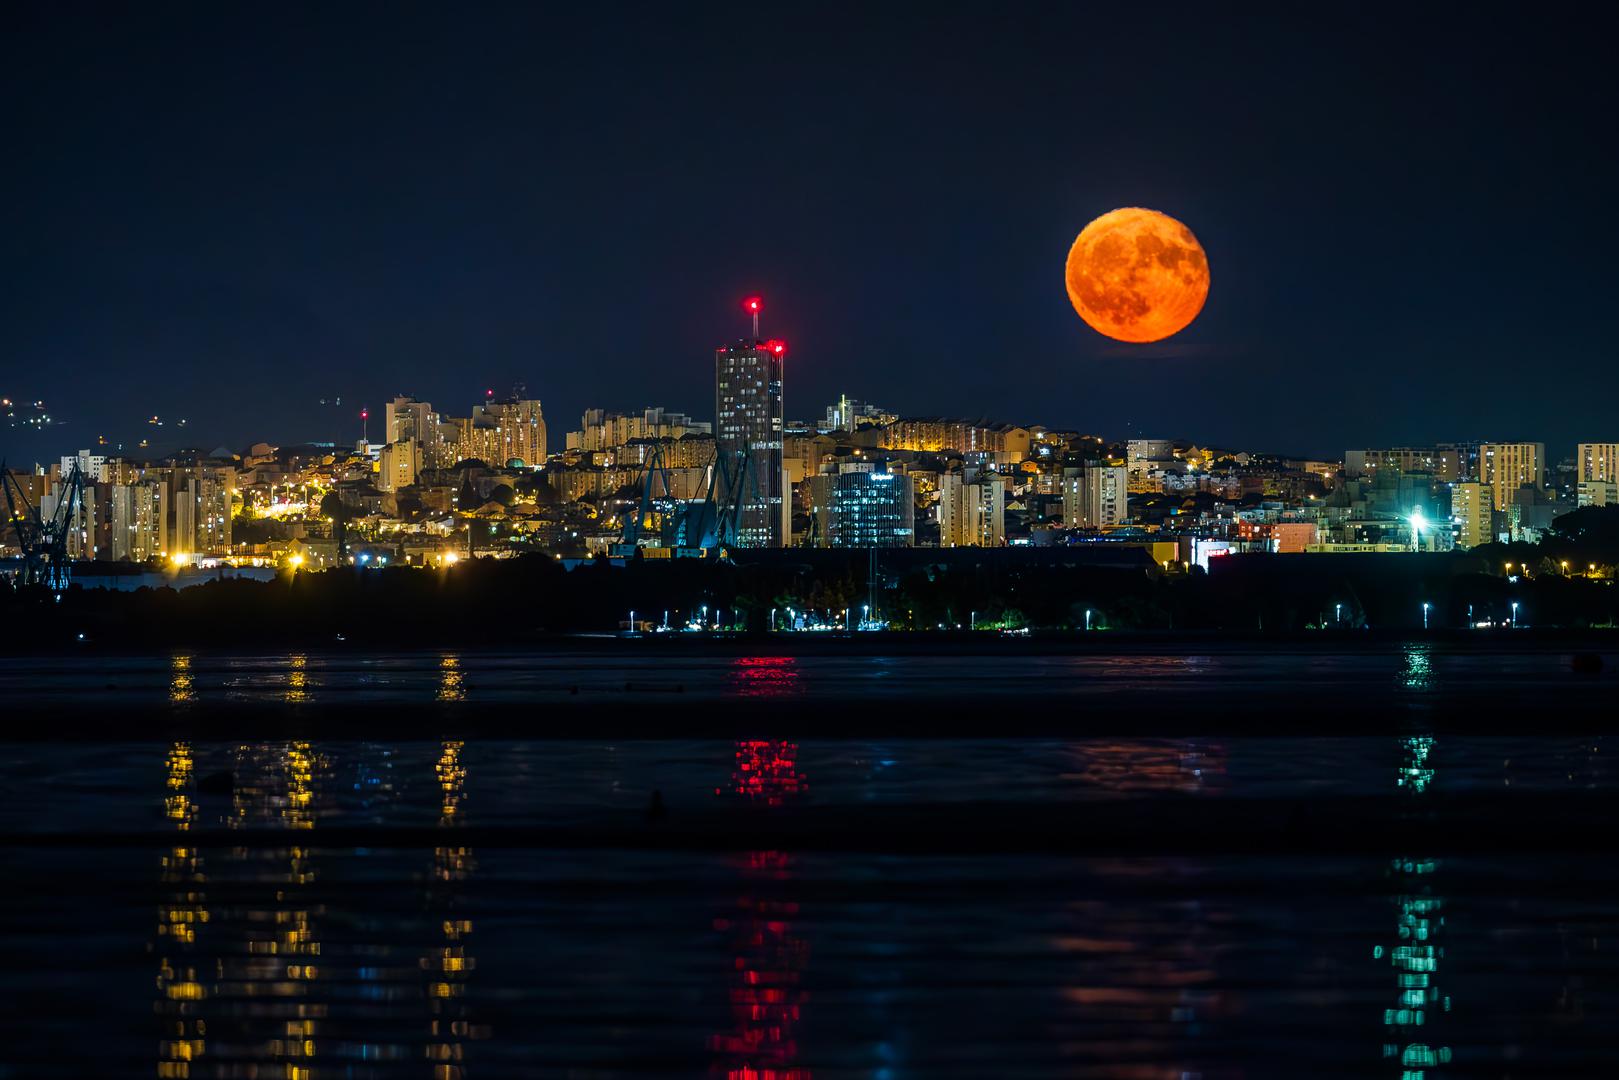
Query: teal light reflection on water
point(1419, 923)
point(1417, 671)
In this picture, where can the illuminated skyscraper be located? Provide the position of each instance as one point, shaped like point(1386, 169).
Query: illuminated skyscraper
point(1598, 462)
point(398, 465)
point(1508, 466)
point(972, 510)
point(748, 424)
point(202, 510)
point(1470, 511)
point(1598, 477)
point(1094, 496)
point(406, 418)
point(137, 521)
point(1448, 462)
point(860, 504)
point(499, 432)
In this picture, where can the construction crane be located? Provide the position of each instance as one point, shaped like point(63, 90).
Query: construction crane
point(703, 524)
point(657, 513)
point(737, 477)
point(44, 541)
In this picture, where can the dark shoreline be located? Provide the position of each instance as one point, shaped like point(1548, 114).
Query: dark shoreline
point(876, 643)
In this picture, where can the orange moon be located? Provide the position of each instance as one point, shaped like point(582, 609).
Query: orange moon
point(1137, 275)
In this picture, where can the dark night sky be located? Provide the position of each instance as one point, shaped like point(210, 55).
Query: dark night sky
point(227, 212)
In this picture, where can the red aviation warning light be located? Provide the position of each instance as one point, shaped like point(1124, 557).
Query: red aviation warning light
point(775, 346)
point(752, 306)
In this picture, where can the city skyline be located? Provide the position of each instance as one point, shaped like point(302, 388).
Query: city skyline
point(792, 542)
point(358, 207)
point(43, 445)
point(333, 420)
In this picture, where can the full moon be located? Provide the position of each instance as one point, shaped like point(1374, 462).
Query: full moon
point(1137, 275)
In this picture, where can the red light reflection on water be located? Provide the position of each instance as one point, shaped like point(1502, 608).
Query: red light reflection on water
point(767, 958)
point(767, 771)
point(766, 999)
point(765, 676)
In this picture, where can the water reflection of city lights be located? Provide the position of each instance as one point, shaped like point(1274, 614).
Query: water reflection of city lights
point(450, 965)
point(767, 957)
point(182, 689)
point(451, 682)
point(1417, 673)
point(299, 764)
point(765, 676)
point(1418, 947)
point(452, 778)
point(265, 968)
point(178, 804)
point(1142, 765)
point(1415, 773)
point(767, 771)
point(766, 996)
point(184, 911)
point(297, 680)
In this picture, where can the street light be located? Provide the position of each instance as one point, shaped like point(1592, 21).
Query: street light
point(1087, 618)
point(1425, 607)
point(1338, 614)
point(1515, 614)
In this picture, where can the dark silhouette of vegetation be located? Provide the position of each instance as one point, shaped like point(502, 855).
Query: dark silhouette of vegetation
point(512, 601)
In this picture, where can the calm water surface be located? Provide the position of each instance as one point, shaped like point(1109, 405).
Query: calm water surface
point(134, 949)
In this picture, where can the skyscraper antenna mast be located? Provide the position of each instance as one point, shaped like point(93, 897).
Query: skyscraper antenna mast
point(753, 304)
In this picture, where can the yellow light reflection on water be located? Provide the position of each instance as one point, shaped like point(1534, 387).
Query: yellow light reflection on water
point(449, 966)
point(251, 989)
point(181, 686)
point(178, 805)
point(299, 763)
point(451, 685)
point(452, 779)
point(297, 692)
point(180, 916)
